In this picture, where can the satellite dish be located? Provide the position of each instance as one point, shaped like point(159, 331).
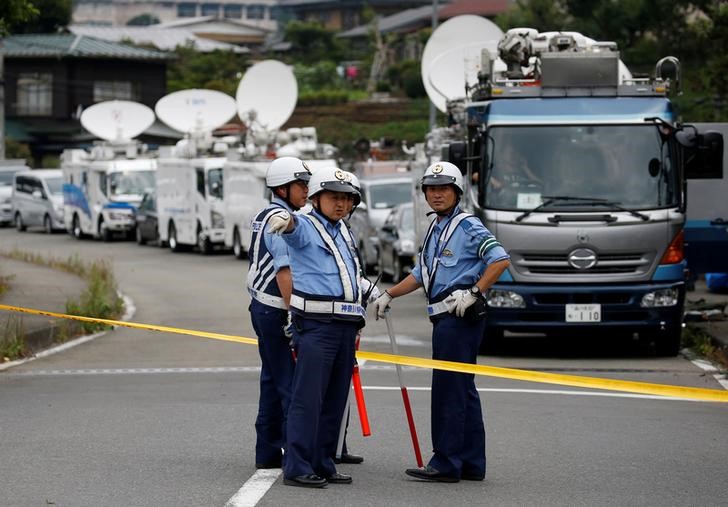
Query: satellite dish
point(118, 121)
point(195, 111)
point(267, 94)
point(450, 56)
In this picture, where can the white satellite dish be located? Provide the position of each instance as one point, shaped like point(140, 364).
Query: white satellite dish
point(195, 111)
point(267, 94)
point(444, 77)
point(118, 121)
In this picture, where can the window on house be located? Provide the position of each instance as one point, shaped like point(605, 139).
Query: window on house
point(35, 94)
point(186, 10)
point(233, 11)
point(256, 11)
point(115, 90)
point(210, 9)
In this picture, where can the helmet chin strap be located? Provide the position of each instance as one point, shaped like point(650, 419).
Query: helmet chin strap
point(315, 204)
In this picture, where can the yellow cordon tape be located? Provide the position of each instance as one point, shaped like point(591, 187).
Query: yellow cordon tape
point(691, 393)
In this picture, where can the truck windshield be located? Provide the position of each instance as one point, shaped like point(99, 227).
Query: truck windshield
point(131, 182)
point(388, 195)
point(626, 165)
point(214, 183)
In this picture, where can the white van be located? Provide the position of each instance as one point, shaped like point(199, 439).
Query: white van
point(37, 199)
point(189, 202)
point(7, 169)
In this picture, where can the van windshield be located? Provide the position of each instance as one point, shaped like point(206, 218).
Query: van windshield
point(131, 182)
point(629, 165)
point(6, 178)
point(55, 186)
point(388, 195)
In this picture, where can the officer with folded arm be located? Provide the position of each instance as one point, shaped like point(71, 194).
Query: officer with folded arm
point(327, 310)
point(459, 260)
point(269, 284)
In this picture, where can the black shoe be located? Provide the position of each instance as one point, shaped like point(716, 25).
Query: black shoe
point(338, 478)
point(306, 481)
point(351, 459)
point(271, 464)
point(429, 474)
point(472, 477)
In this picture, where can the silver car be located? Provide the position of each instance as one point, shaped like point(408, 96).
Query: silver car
point(397, 249)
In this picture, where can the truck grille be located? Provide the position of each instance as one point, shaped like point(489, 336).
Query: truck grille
point(548, 263)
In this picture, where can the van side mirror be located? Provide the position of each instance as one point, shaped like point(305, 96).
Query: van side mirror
point(362, 206)
point(37, 194)
point(702, 153)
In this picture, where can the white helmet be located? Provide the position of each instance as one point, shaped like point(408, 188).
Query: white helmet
point(443, 173)
point(355, 183)
point(284, 170)
point(333, 179)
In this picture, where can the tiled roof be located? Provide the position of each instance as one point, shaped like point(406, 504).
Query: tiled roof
point(411, 18)
point(77, 46)
point(165, 39)
point(477, 7)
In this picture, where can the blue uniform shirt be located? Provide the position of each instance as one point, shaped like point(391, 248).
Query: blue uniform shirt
point(313, 266)
point(274, 243)
point(470, 250)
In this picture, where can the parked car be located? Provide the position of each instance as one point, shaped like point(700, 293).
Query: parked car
point(145, 219)
point(379, 195)
point(37, 199)
point(8, 168)
point(397, 249)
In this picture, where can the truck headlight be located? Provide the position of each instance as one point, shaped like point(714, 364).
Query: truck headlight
point(217, 220)
point(505, 299)
point(660, 298)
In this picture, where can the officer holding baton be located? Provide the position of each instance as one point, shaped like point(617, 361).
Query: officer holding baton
point(327, 310)
point(459, 260)
point(269, 284)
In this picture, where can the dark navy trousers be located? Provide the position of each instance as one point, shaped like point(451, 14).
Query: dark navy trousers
point(276, 377)
point(458, 432)
point(321, 384)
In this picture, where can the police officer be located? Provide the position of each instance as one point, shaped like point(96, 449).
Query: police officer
point(327, 313)
point(459, 260)
point(269, 284)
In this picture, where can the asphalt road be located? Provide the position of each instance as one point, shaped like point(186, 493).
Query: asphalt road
point(139, 418)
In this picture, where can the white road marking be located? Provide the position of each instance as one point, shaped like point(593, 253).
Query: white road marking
point(711, 368)
point(138, 371)
point(254, 488)
point(401, 340)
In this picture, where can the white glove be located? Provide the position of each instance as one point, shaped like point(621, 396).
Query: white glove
point(278, 223)
point(459, 301)
point(381, 304)
point(367, 286)
point(288, 327)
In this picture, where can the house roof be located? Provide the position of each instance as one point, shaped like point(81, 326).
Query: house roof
point(221, 25)
point(165, 39)
point(76, 46)
point(477, 7)
point(402, 21)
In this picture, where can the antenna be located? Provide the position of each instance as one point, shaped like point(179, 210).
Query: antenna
point(195, 112)
point(451, 59)
point(267, 95)
point(117, 121)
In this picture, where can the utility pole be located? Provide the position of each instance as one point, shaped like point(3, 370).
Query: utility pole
point(433, 112)
point(2, 105)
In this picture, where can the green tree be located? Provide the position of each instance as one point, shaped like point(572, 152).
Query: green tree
point(311, 42)
point(15, 12)
point(216, 70)
point(52, 16)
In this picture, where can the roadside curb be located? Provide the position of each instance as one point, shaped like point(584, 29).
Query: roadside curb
point(46, 336)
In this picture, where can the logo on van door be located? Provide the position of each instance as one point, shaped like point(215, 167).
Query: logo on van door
point(582, 258)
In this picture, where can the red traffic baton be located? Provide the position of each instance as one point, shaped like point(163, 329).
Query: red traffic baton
point(360, 404)
point(405, 395)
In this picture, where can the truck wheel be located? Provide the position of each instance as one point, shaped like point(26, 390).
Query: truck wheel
point(397, 274)
point(19, 225)
point(237, 245)
point(173, 244)
point(48, 224)
point(667, 343)
point(104, 232)
point(381, 271)
point(203, 242)
point(76, 228)
point(139, 236)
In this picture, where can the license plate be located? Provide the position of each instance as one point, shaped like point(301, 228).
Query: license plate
point(583, 313)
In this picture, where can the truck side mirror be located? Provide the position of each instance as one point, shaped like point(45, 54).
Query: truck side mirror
point(702, 153)
point(456, 155)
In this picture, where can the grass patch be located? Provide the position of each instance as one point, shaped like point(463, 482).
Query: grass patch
point(700, 342)
point(100, 299)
